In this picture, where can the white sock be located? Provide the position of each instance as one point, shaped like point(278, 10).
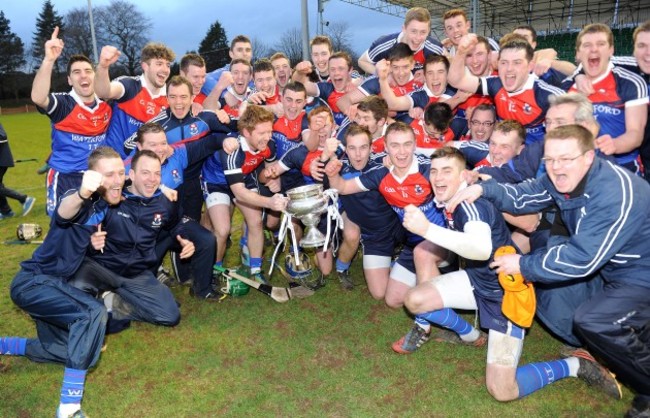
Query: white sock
point(67, 409)
point(108, 300)
point(471, 336)
point(426, 327)
point(574, 365)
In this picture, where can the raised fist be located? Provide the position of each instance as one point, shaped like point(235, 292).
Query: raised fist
point(90, 183)
point(108, 56)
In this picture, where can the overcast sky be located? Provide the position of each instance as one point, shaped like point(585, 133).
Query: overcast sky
point(182, 25)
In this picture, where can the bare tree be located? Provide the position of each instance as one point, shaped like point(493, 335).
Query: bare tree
point(261, 49)
point(126, 28)
point(291, 44)
point(78, 39)
point(341, 37)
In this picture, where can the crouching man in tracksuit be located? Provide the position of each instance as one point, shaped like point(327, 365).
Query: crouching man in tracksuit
point(605, 209)
point(124, 249)
point(70, 324)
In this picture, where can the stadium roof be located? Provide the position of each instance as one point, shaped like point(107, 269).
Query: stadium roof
point(497, 17)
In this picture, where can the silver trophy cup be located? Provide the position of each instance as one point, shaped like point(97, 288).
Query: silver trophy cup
point(308, 203)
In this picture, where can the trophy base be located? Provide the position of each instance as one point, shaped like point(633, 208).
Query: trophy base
point(313, 238)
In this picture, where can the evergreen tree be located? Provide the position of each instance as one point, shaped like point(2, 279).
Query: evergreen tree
point(11, 59)
point(214, 47)
point(11, 48)
point(46, 21)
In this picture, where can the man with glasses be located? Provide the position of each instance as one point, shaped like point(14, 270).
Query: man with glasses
point(605, 211)
point(571, 108)
point(481, 124)
point(506, 142)
point(555, 304)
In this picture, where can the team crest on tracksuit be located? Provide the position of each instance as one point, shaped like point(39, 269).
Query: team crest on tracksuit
point(176, 176)
point(157, 220)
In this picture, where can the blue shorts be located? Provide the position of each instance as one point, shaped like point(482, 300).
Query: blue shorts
point(383, 243)
point(209, 188)
point(491, 317)
point(405, 259)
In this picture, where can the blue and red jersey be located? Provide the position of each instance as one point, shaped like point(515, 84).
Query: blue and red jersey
point(300, 158)
point(200, 98)
point(369, 210)
point(287, 133)
point(327, 93)
point(476, 153)
point(615, 91)
point(459, 125)
point(630, 64)
point(275, 99)
point(136, 106)
point(174, 168)
point(77, 129)
point(212, 78)
point(378, 146)
point(233, 111)
point(188, 129)
point(527, 106)
point(412, 189)
point(424, 143)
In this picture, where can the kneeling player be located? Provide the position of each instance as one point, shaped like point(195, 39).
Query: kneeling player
point(232, 178)
point(403, 184)
point(474, 231)
point(380, 229)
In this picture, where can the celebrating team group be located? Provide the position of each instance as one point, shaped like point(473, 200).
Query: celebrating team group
point(444, 154)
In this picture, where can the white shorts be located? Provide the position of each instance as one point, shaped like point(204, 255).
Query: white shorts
point(505, 349)
point(401, 274)
point(456, 290)
point(376, 262)
point(217, 198)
